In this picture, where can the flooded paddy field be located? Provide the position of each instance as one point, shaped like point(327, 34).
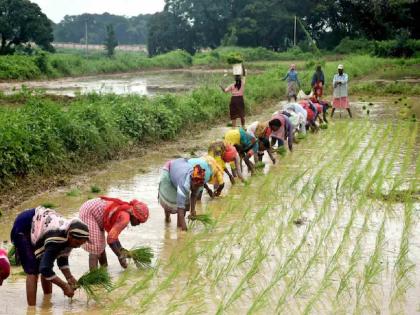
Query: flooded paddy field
point(142, 83)
point(330, 229)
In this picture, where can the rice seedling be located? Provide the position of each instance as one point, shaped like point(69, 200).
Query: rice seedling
point(324, 126)
point(74, 192)
point(95, 189)
point(259, 165)
point(49, 205)
point(141, 256)
point(364, 107)
point(11, 255)
point(281, 150)
point(95, 279)
point(206, 219)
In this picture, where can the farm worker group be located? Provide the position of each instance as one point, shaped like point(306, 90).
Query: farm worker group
point(41, 236)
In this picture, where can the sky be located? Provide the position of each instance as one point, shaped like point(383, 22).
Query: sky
point(57, 9)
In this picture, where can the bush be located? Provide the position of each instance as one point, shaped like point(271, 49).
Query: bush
point(354, 46)
point(397, 48)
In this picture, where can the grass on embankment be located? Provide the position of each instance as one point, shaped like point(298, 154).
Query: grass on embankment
point(45, 138)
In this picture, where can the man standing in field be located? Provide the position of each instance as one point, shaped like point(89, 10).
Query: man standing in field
point(340, 84)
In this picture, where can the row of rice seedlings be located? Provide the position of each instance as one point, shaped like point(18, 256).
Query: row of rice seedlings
point(371, 273)
point(333, 265)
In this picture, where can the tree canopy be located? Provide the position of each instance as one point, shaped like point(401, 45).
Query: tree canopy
point(22, 22)
point(269, 23)
point(131, 30)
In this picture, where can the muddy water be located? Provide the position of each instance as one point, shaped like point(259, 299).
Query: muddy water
point(144, 83)
point(138, 178)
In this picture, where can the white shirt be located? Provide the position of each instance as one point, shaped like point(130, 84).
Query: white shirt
point(341, 90)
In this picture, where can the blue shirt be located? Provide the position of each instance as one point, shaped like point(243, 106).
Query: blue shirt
point(291, 75)
point(180, 172)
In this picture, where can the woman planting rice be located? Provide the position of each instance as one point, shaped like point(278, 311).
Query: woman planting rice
point(311, 114)
point(293, 83)
point(113, 216)
point(41, 236)
point(214, 175)
point(245, 144)
point(4, 266)
point(178, 189)
point(237, 104)
point(225, 153)
point(262, 132)
point(282, 129)
point(302, 114)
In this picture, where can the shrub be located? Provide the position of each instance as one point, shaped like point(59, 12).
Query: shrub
point(354, 46)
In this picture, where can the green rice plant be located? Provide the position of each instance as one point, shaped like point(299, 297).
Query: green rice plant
point(74, 192)
point(141, 256)
point(11, 255)
point(95, 189)
point(49, 205)
point(97, 278)
point(281, 150)
point(301, 136)
point(206, 219)
point(260, 165)
point(324, 126)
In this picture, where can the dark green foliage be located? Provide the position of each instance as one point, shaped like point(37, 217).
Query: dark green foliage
point(95, 189)
point(110, 42)
point(354, 46)
point(141, 256)
point(22, 22)
point(129, 30)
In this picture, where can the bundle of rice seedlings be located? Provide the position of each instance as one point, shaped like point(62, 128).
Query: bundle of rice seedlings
point(11, 255)
point(205, 219)
point(260, 165)
point(141, 256)
point(301, 136)
point(97, 278)
point(49, 205)
point(235, 58)
point(324, 126)
point(281, 150)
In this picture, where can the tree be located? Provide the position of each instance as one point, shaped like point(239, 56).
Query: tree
point(168, 32)
point(22, 22)
point(110, 41)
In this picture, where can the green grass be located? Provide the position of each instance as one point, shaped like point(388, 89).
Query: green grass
point(74, 192)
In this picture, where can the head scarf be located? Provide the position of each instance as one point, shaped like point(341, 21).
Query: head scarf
point(198, 175)
point(261, 130)
point(4, 265)
point(78, 229)
point(48, 227)
point(230, 153)
point(135, 208)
